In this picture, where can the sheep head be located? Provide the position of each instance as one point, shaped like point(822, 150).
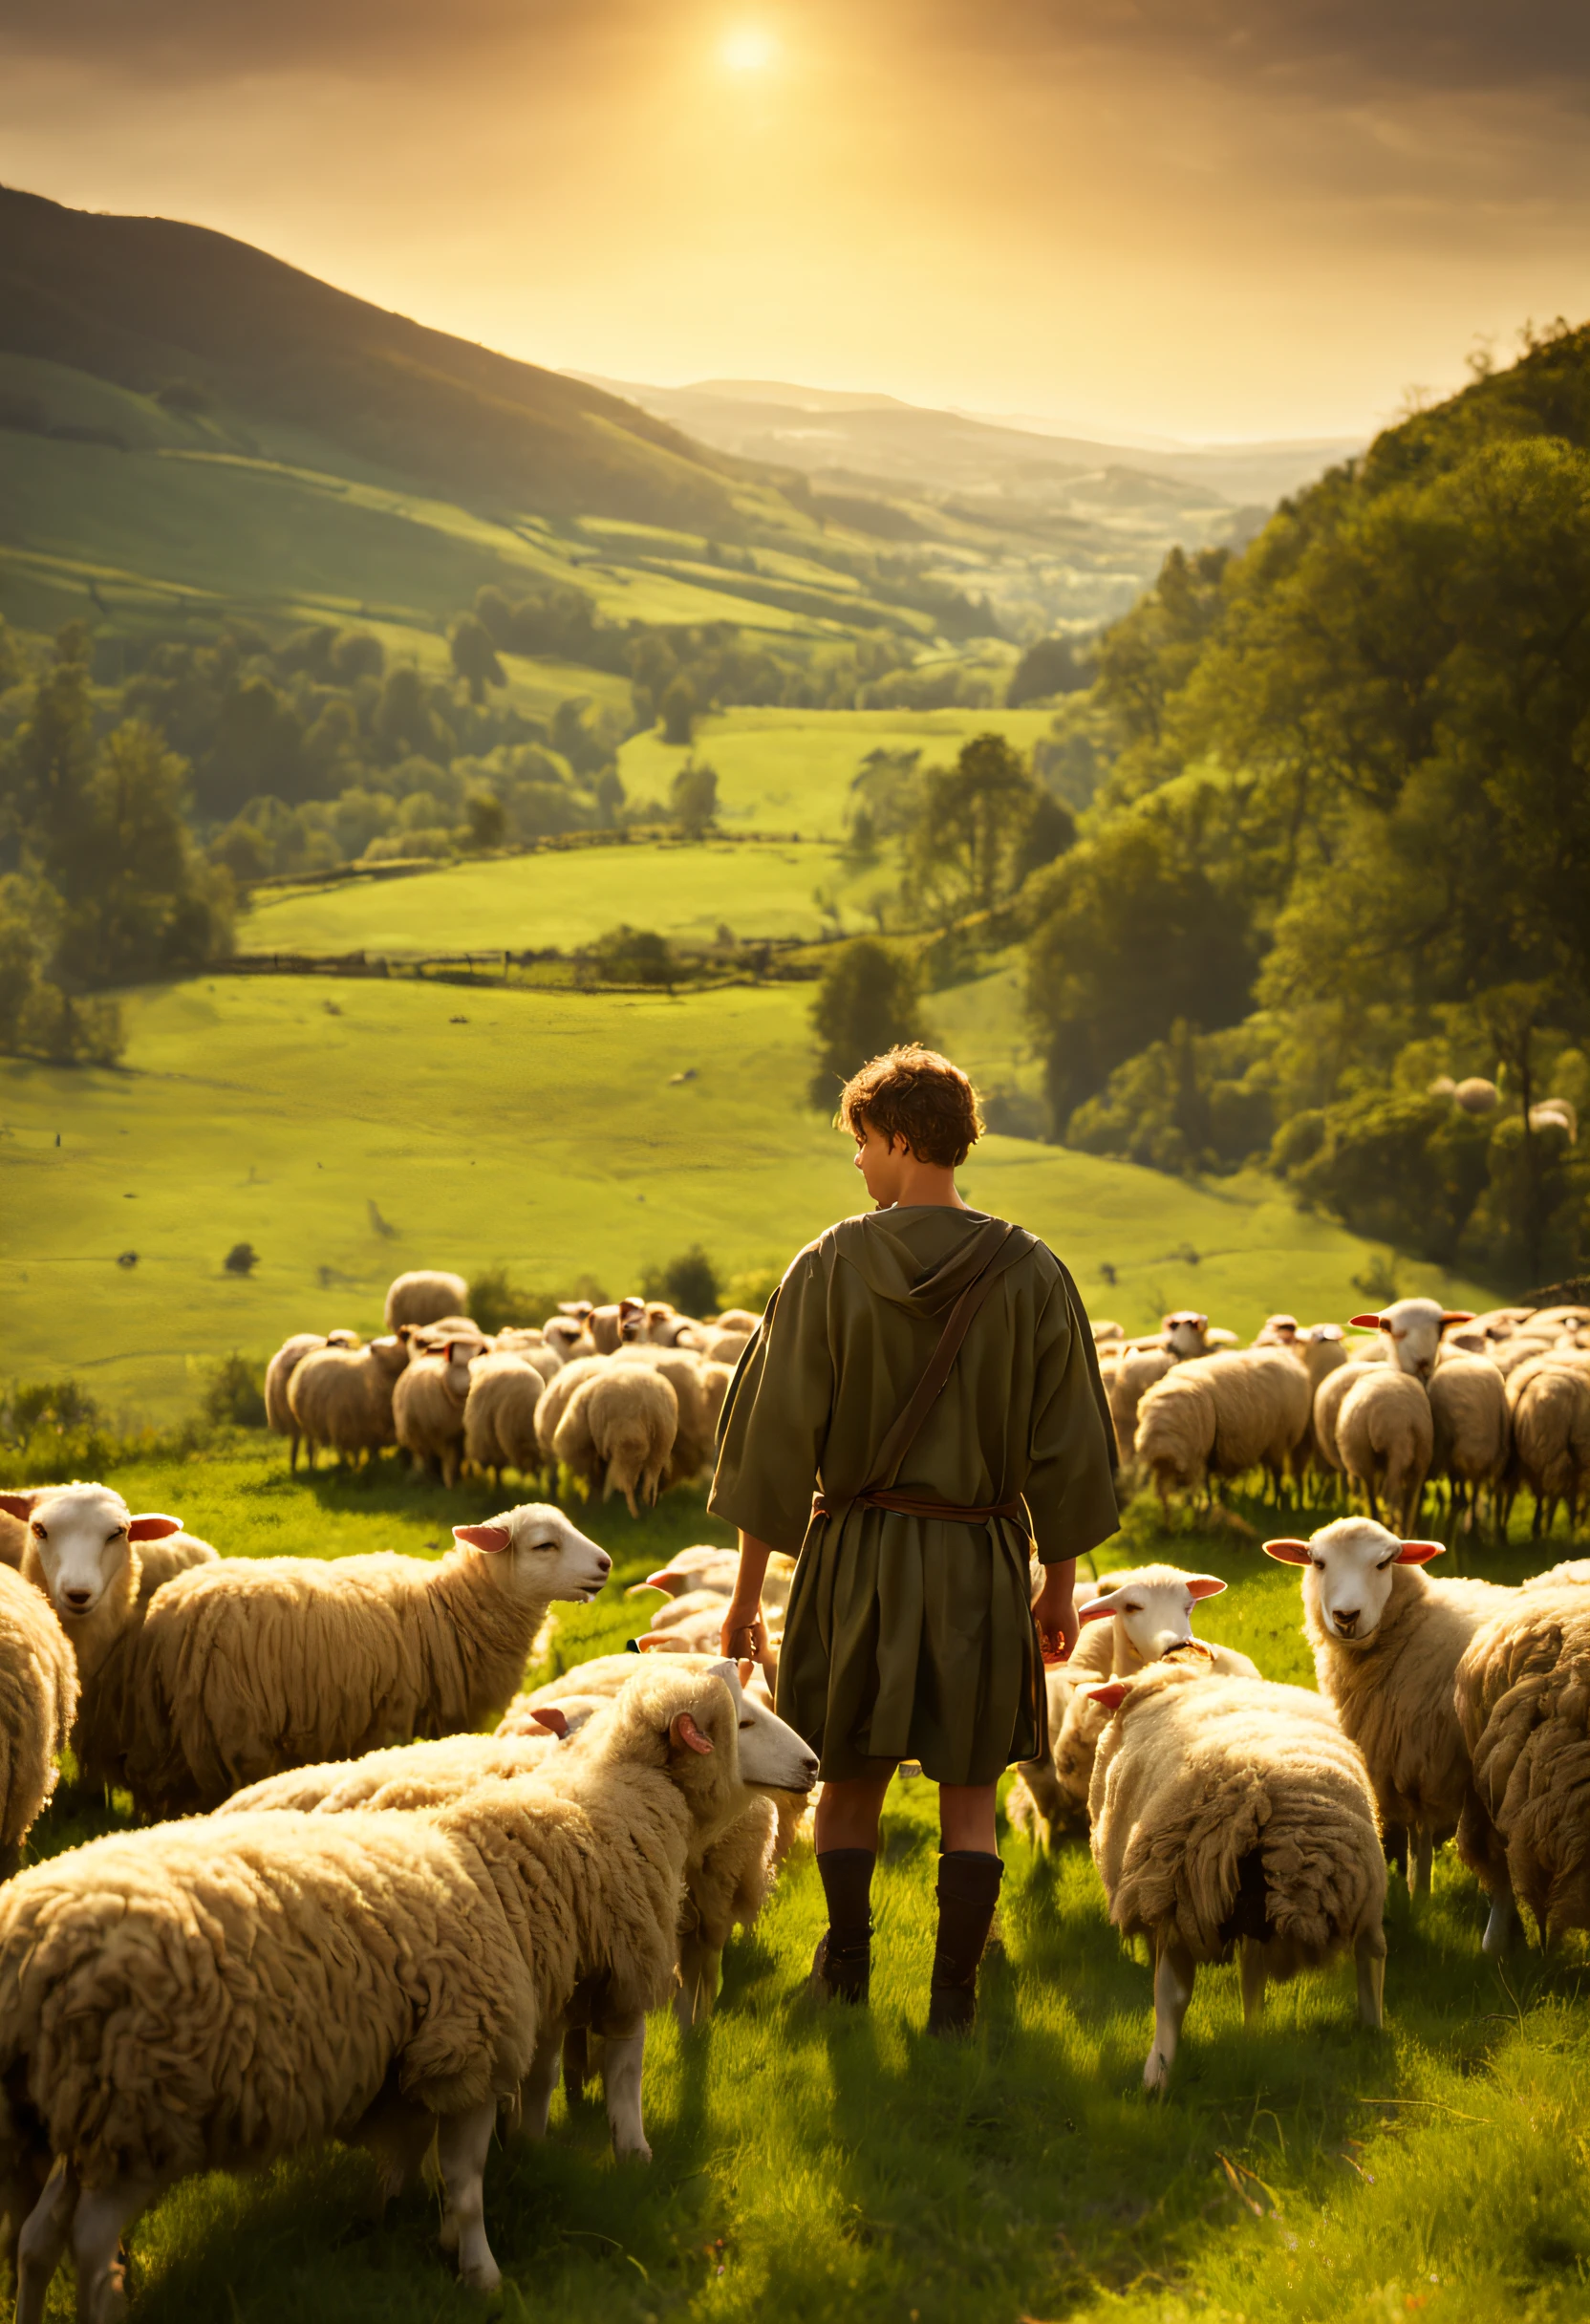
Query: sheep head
point(1348, 1575)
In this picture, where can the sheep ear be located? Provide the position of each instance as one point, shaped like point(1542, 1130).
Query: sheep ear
point(554, 1720)
point(684, 1734)
point(1456, 1315)
point(641, 1589)
point(152, 1528)
point(1098, 1609)
point(1419, 1553)
point(1110, 1695)
point(664, 1579)
point(1205, 1585)
point(660, 1641)
point(729, 1672)
point(18, 1504)
point(1365, 1323)
point(492, 1538)
point(1288, 1553)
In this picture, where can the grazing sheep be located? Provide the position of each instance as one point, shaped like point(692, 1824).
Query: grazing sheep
point(256, 1665)
point(278, 1373)
point(427, 1410)
point(342, 1398)
point(417, 1775)
point(717, 1380)
point(499, 1414)
point(1522, 1693)
point(560, 1393)
point(1328, 1408)
point(215, 1997)
point(1105, 1329)
point(685, 1375)
point(617, 1432)
point(727, 1346)
point(1386, 1644)
point(1276, 1331)
point(423, 1295)
point(1386, 1438)
point(1226, 1811)
point(706, 1566)
point(1511, 1355)
point(1217, 1416)
point(1476, 1095)
point(1142, 1617)
point(1468, 1406)
point(1411, 1330)
point(562, 1333)
point(1550, 1401)
point(1574, 1573)
point(38, 1704)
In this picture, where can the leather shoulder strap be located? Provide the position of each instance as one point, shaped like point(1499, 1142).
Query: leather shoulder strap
point(892, 1452)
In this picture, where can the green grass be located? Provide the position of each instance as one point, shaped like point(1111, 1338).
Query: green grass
point(820, 2166)
point(564, 899)
point(351, 1130)
point(791, 770)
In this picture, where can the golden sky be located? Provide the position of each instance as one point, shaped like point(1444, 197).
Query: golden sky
point(1203, 218)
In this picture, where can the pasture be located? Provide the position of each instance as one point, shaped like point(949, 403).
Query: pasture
point(813, 2165)
point(349, 1129)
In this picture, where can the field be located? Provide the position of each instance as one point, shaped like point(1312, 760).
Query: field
point(816, 2165)
point(348, 1130)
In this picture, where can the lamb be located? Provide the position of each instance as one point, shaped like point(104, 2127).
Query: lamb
point(1522, 1692)
point(38, 1704)
point(1230, 1811)
point(427, 1410)
point(1144, 1615)
point(1217, 1416)
point(1469, 1418)
point(417, 1775)
point(257, 1664)
point(423, 1295)
point(499, 1414)
point(1411, 1330)
point(617, 1430)
point(1386, 1644)
point(343, 1398)
point(1551, 1437)
point(279, 1371)
point(1386, 1438)
point(198, 1997)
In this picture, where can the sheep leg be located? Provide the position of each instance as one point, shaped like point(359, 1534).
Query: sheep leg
point(623, 2060)
point(293, 1454)
point(102, 2218)
point(1420, 1854)
point(542, 2079)
point(700, 1966)
point(463, 2140)
point(576, 2062)
point(1369, 1952)
point(1253, 1982)
point(1501, 1928)
point(1174, 1970)
point(43, 2241)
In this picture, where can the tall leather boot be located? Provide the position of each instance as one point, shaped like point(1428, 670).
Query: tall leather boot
point(968, 1892)
point(842, 1969)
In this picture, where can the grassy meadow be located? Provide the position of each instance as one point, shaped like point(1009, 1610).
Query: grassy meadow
point(351, 1130)
point(816, 2165)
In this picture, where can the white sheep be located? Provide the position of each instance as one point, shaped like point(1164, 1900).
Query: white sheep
point(257, 1664)
point(499, 1413)
point(1387, 1643)
point(1550, 1406)
point(1411, 1331)
point(697, 1420)
point(278, 1373)
point(1229, 1812)
point(418, 1774)
point(1218, 1416)
point(1473, 1437)
point(423, 1295)
point(38, 1704)
point(617, 1432)
point(427, 1410)
point(556, 1401)
point(1386, 1438)
point(342, 1398)
point(216, 1996)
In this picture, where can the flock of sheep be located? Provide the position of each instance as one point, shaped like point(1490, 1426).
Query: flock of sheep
point(1488, 1402)
point(624, 1397)
point(349, 1912)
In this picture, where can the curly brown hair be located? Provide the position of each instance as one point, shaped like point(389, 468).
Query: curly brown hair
point(913, 1093)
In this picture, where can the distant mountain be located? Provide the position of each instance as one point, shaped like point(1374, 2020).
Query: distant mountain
point(822, 431)
point(152, 305)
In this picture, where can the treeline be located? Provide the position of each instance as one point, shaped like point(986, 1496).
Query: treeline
point(1341, 856)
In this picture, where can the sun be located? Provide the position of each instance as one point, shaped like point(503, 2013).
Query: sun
point(750, 50)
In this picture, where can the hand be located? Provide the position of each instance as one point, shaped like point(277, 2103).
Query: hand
point(1056, 1616)
point(743, 1638)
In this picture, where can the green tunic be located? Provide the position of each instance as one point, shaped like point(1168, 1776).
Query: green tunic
point(911, 1638)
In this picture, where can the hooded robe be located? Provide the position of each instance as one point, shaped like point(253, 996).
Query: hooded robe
point(910, 1637)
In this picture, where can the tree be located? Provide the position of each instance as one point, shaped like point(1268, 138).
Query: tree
point(636, 955)
point(1048, 667)
point(487, 819)
point(869, 999)
point(962, 853)
point(474, 658)
point(688, 1283)
point(695, 799)
point(678, 711)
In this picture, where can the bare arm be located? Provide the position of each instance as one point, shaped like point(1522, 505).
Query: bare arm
point(743, 1637)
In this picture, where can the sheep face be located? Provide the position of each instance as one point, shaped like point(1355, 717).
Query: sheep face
point(1278, 1331)
point(1347, 1573)
point(1152, 1613)
point(773, 1756)
point(1414, 1329)
point(81, 1536)
point(1185, 1333)
point(542, 1555)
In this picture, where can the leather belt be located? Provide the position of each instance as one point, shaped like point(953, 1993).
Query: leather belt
point(915, 1505)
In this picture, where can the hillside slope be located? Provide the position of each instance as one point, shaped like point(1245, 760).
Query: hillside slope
point(149, 304)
